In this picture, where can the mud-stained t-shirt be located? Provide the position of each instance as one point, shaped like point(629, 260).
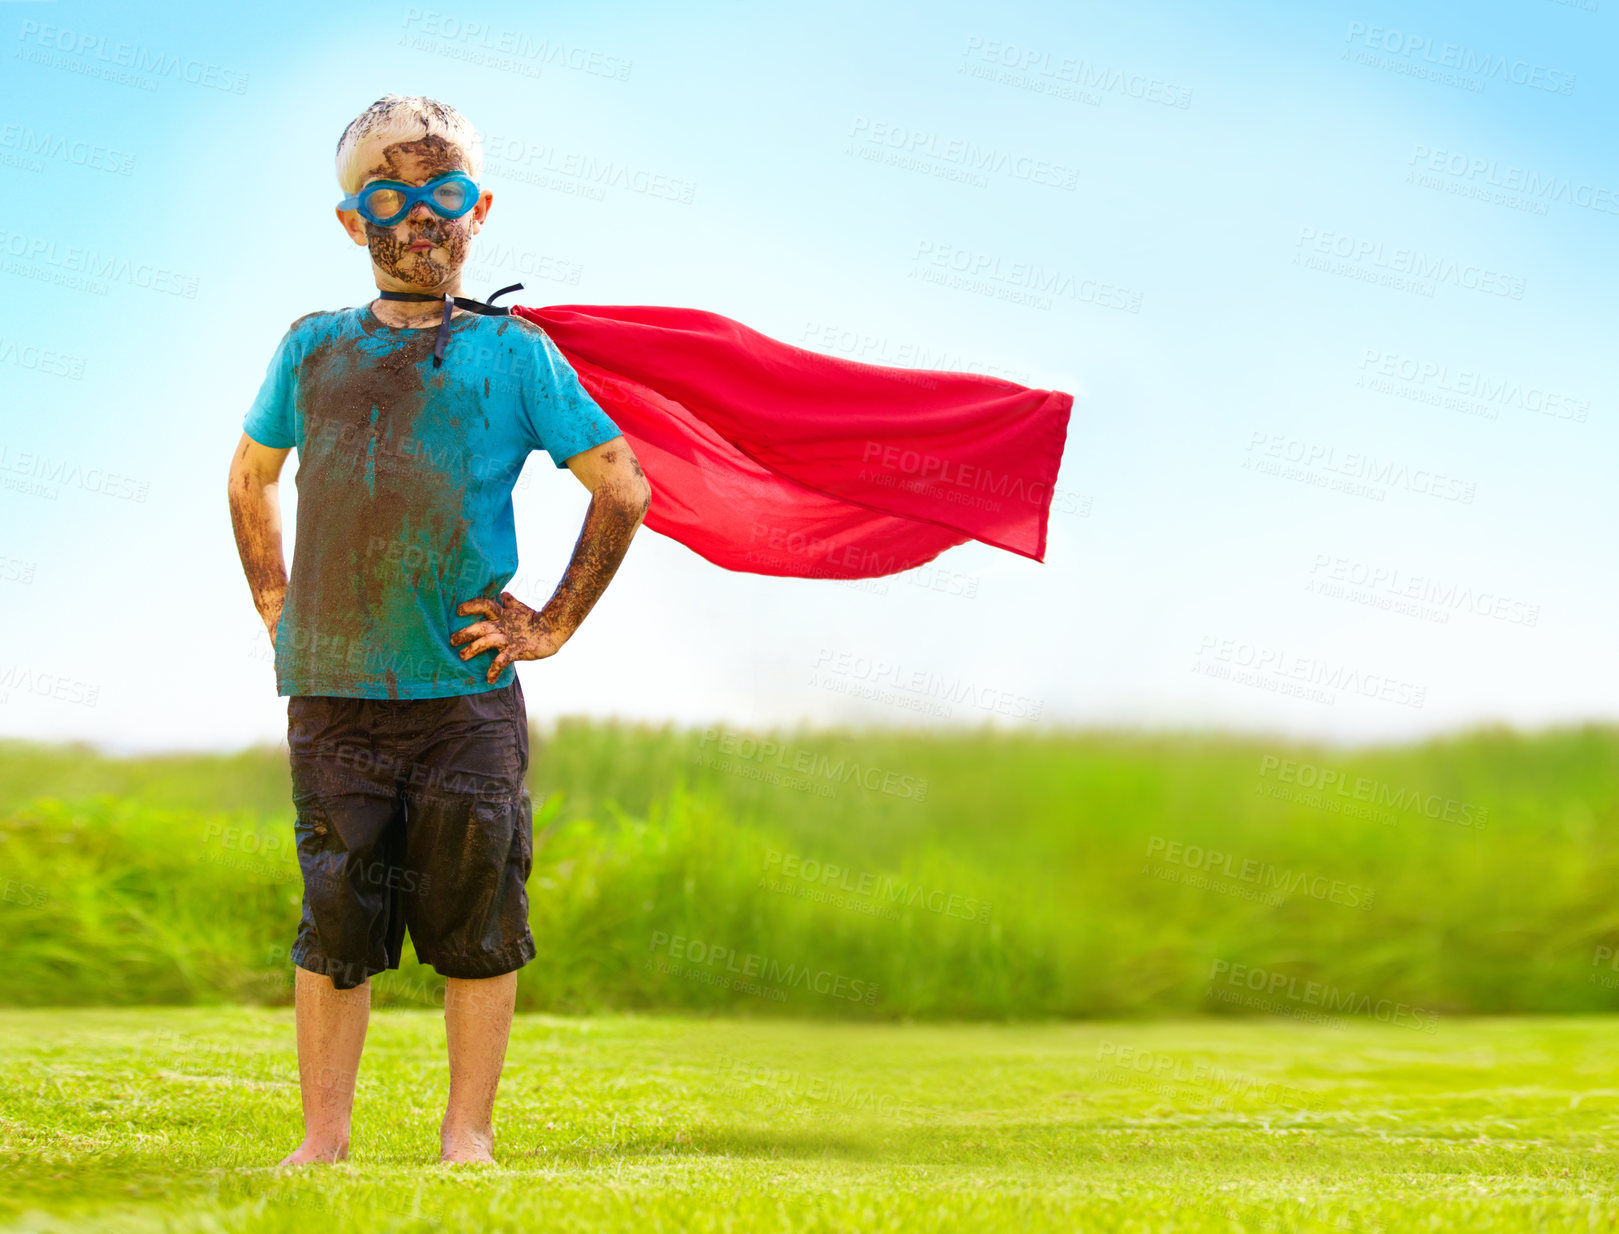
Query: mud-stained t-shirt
point(405, 478)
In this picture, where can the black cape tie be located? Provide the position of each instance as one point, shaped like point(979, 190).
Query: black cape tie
point(484, 307)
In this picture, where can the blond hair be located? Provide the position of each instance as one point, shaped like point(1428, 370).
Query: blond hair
point(398, 117)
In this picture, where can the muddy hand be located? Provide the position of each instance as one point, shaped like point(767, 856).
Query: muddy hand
point(511, 628)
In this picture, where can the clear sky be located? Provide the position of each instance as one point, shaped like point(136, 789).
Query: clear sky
point(1341, 292)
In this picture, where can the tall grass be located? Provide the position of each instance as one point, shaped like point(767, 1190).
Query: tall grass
point(886, 874)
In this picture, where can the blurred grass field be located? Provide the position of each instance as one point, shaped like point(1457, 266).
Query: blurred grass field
point(890, 875)
point(120, 1121)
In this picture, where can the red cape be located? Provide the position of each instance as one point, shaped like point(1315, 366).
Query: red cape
point(770, 459)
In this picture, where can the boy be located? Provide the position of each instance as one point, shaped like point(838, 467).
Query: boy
point(393, 640)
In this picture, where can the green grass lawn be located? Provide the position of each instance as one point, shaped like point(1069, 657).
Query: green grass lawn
point(163, 1119)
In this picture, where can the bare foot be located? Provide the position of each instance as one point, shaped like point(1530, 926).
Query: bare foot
point(466, 1147)
point(316, 1154)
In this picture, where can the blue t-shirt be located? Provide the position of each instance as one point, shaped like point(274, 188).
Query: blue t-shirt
point(405, 477)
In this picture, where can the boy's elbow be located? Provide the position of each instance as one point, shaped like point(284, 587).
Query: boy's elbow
point(238, 478)
point(641, 497)
point(630, 491)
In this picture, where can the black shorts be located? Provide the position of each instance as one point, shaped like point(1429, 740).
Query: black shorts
point(412, 812)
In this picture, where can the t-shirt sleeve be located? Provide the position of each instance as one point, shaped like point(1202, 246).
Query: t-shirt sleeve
point(563, 417)
point(272, 420)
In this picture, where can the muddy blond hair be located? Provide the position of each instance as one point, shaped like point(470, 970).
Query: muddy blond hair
point(399, 117)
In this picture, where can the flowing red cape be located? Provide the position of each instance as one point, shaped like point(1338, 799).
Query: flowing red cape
point(769, 459)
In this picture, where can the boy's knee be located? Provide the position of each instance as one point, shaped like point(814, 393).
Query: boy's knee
point(329, 976)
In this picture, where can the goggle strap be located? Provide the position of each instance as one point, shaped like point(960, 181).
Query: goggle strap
point(481, 307)
point(443, 338)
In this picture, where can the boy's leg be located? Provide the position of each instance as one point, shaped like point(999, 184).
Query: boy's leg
point(331, 1034)
point(350, 833)
point(477, 1023)
point(469, 851)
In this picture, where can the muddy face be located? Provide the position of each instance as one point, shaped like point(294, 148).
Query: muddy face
point(418, 268)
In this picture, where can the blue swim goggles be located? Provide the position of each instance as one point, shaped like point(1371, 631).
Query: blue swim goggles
point(386, 202)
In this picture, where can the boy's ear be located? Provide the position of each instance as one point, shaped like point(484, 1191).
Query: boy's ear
point(353, 224)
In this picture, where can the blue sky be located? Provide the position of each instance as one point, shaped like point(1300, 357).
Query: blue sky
point(1344, 422)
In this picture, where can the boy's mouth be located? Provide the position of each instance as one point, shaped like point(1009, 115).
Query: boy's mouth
point(421, 246)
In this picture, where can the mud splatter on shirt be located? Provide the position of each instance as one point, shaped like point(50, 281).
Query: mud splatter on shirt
point(404, 494)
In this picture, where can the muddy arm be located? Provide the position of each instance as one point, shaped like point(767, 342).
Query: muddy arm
point(255, 515)
point(619, 499)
